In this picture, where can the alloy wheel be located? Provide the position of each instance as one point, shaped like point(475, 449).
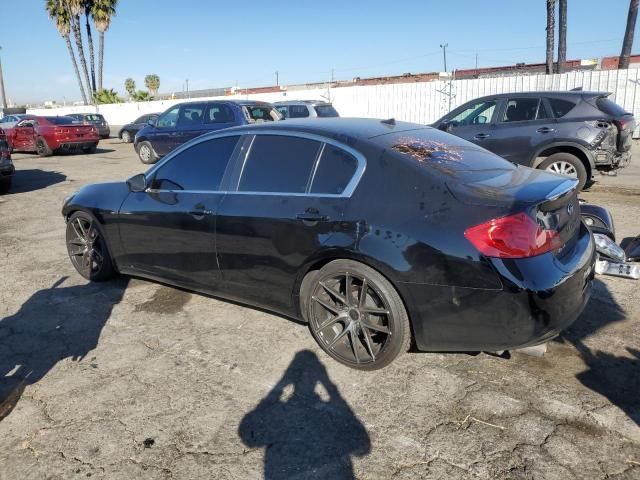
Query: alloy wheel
point(40, 148)
point(145, 153)
point(563, 168)
point(350, 317)
point(126, 137)
point(85, 249)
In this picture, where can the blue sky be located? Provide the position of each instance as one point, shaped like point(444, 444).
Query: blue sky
point(216, 44)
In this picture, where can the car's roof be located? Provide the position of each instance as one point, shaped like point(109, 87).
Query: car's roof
point(237, 102)
point(83, 114)
point(306, 102)
point(553, 94)
point(358, 128)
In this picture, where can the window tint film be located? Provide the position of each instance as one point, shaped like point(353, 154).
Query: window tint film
point(200, 167)
point(283, 111)
point(279, 164)
point(298, 111)
point(326, 111)
point(520, 109)
point(191, 115)
point(335, 170)
point(168, 119)
point(218, 113)
point(476, 114)
point(561, 107)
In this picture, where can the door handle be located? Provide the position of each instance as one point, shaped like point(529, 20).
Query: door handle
point(200, 214)
point(546, 130)
point(312, 215)
point(482, 136)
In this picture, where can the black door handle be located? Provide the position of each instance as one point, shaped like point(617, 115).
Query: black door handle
point(200, 214)
point(546, 130)
point(312, 215)
point(480, 136)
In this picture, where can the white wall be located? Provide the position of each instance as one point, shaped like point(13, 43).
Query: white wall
point(422, 102)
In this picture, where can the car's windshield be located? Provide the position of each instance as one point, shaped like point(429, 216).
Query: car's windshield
point(326, 111)
point(261, 113)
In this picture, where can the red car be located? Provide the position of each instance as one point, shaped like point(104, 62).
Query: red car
point(46, 135)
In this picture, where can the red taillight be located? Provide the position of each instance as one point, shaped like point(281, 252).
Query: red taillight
point(622, 123)
point(515, 236)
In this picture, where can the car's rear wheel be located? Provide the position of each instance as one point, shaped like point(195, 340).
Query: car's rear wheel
point(146, 153)
point(568, 165)
point(356, 315)
point(42, 148)
point(90, 149)
point(87, 248)
point(126, 137)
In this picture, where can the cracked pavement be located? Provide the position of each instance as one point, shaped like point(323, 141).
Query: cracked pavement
point(134, 379)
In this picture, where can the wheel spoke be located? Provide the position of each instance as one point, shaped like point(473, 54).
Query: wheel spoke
point(363, 294)
point(338, 337)
point(375, 311)
point(331, 321)
point(78, 234)
point(326, 305)
point(333, 293)
point(367, 342)
point(76, 251)
point(84, 232)
point(354, 346)
point(347, 288)
point(378, 328)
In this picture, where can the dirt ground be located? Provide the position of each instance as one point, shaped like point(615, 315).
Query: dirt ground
point(133, 379)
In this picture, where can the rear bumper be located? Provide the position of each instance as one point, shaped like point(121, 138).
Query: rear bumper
point(72, 146)
point(540, 297)
point(612, 159)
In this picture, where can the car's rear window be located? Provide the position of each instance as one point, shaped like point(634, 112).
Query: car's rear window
point(94, 118)
point(326, 111)
point(610, 107)
point(61, 120)
point(560, 107)
point(261, 113)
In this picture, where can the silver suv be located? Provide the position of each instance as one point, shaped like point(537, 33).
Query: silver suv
point(306, 109)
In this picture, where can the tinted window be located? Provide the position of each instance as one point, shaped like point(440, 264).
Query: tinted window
point(142, 119)
point(218, 113)
point(560, 107)
point(260, 113)
point(61, 120)
point(298, 111)
point(543, 114)
point(326, 111)
point(476, 114)
point(283, 111)
point(191, 115)
point(199, 167)
point(334, 172)
point(168, 119)
point(520, 109)
point(279, 164)
point(93, 118)
point(610, 107)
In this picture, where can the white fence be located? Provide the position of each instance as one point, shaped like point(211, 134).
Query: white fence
point(422, 102)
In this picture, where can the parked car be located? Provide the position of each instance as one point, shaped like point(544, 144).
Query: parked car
point(305, 108)
point(48, 135)
point(376, 233)
point(94, 119)
point(128, 131)
point(9, 121)
point(6, 165)
point(185, 121)
point(570, 133)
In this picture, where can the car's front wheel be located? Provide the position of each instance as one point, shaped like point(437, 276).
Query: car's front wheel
point(126, 137)
point(356, 315)
point(566, 164)
point(87, 248)
point(146, 153)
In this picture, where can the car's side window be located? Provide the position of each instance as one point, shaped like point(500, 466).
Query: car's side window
point(191, 115)
point(334, 172)
point(476, 114)
point(520, 109)
point(199, 167)
point(218, 113)
point(561, 107)
point(142, 119)
point(298, 111)
point(168, 119)
point(543, 114)
point(278, 163)
point(283, 110)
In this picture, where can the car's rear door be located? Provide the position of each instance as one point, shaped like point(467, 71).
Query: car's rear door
point(220, 115)
point(291, 191)
point(168, 231)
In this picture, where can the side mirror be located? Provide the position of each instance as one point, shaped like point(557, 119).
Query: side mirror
point(137, 183)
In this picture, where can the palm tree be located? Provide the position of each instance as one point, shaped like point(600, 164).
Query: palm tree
point(87, 11)
point(74, 8)
point(141, 96)
point(60, 15)
point(562, 36)
point(102, 11)
point(623, 62)
point(130, 86)
point(152, 82)
point(551, 25)
point(107, 96)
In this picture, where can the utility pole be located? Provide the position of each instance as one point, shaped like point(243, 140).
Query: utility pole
point(444, 53)
point(4, 94)
point(187, 82)
point(476, 64)
point(277, 79)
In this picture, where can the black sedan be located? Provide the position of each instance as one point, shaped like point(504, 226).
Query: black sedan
point(128, 131)
point(377, 233)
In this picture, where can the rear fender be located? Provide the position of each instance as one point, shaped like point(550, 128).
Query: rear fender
point(584, 150)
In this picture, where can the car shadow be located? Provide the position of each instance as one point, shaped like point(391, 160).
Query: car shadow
point(53, 324)
point(306, 433)
point(34, 179)
point(616, 377)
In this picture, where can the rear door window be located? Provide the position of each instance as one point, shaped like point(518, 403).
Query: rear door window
point(560, 107)
point(520, 109)
point(283, 110)
point(279, 164)
point(218, 113)
point(334, 172)
point(326, 111)
point(298, 111)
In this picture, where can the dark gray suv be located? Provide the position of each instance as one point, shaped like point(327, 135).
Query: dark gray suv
point(570, 133)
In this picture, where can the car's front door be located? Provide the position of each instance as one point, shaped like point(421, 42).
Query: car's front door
point(163, 135)
point(168, 231)
point(523, 125)
point(473, 122)
point(23, 136)
point(291, 193)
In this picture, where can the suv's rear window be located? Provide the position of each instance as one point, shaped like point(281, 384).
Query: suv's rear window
point(610, 107)
point(561, 107)
point(61, 120)
point(326, 111)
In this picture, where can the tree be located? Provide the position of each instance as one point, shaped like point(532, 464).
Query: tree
point(60, 15)
point(627, 43)
point(130, 86)
point(102, 11)
point(562, 36)
point(74, 7)
point(106, 96)
point(551, 25)
point(142, 96)
point(152, 82)
point(87, 4)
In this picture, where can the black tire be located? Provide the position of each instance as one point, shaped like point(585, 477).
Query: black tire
point(91, 149)
point(126, 136)
point(365, 333)
point(5, 185)
point(42, 148)
point(146, 154)
point(566, 162)
point(87, 248)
